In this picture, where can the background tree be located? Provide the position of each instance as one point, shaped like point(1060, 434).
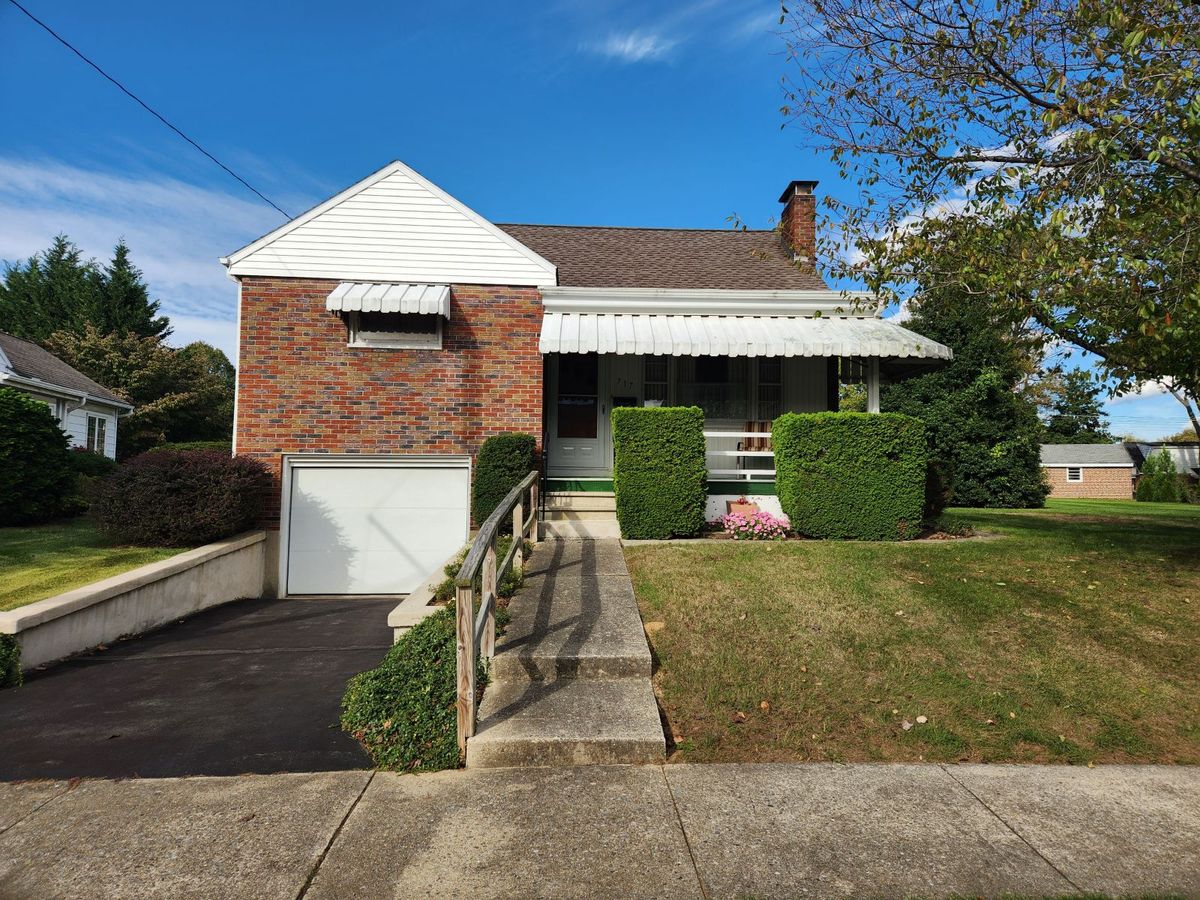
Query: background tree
point(59, 290)
point(122, 303)
point(982, 430)
point(1053, 144)
point(1185, 436)
point(1075, 414)
point(1159, 482)
point(178, 395)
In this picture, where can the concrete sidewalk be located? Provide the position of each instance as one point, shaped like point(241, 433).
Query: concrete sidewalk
point(620, 831)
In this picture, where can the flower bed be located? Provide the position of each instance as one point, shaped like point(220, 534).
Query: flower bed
point(755, 526)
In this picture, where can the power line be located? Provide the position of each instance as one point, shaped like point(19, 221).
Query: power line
point(140, 102)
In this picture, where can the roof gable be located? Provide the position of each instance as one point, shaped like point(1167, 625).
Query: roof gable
point(393, 226)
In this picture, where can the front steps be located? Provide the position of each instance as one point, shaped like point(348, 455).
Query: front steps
point(580, 515)
point(570, 682)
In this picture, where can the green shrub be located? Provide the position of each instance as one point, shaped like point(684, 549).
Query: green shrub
point(659, 474)
point(90, 467)
point(403, 712)
point(181, 498)
point(10, 661)
point(222, 446)
point(504, 459)
point(36, 478)
point(851, 475)
point(1159, 482)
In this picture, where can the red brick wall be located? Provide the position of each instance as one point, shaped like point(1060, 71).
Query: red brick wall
point(302, 390)
point(1098, 483)
point(799, 227)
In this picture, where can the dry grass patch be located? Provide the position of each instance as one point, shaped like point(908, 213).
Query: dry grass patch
point(1071, 638)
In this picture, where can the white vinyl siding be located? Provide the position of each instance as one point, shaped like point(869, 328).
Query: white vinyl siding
point(399, 228)
point(76, 427)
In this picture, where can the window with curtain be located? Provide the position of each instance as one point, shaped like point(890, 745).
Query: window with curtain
point(719, 385)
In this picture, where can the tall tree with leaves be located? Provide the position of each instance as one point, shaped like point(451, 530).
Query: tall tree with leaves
point(1054, 143)
point(1075, 414)
point(982, 430)
point(177, 395)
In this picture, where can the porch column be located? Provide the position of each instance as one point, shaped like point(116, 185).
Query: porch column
point(873, 385)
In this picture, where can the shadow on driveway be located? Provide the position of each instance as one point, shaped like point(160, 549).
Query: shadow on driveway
point(254, 686)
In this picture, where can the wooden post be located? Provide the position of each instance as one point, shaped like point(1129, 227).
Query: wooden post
point(533, 506)
point(518, 562)
point(487, 647)
point(464, 615)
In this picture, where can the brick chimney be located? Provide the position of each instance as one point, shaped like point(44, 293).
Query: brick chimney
point(798, 225)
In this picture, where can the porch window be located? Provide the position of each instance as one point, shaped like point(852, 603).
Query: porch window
point(577, 395)
point(719, 385)
point(770, 388)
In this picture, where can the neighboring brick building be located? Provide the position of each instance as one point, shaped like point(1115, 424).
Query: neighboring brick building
point(1096, 471)
point(387, 332)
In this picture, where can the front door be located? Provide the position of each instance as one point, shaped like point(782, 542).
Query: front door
point(577, 428)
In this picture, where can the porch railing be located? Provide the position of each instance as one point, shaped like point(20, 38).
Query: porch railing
point(476, 631)
point(718, 451)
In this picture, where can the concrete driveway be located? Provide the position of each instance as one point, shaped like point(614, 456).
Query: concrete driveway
point(252, 687)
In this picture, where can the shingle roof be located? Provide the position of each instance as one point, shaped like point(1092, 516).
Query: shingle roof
point(29, 360)
point(1085, 455)
point(601, 256)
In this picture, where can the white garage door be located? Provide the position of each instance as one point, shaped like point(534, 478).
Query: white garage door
point(373, 528)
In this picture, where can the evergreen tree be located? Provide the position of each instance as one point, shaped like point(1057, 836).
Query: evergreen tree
point(123, 304)
point(1075, 414)
point(984, 434)
point(51, 291)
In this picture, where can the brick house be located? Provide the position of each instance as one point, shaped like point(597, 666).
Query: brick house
point(1096, 471)
point(385, 333)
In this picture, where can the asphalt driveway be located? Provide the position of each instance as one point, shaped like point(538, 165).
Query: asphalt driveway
point(251, 687)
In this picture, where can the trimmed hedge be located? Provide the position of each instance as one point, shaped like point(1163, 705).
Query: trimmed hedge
point(659, 474)
point(225, 447)
point(181, 497)
point(403, 712)
point(503, 460)
point(36, 478)
point(851, 475)
point(10, 661)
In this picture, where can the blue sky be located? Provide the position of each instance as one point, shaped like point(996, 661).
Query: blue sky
point(589, 112)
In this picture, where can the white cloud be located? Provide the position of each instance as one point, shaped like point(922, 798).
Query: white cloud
point(1143, 390)
point(175, 231)
point(634, 46)
point(900, 314)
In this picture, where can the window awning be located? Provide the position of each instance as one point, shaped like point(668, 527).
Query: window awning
point(721, 335)
point(364, 296)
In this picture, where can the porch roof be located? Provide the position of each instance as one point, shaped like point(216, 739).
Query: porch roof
point(734, 335)
point(365, 296)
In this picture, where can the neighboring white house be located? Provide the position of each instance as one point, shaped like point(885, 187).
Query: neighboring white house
point(1185, 456)
point(85, 410)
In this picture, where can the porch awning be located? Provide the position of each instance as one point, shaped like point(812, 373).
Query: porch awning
point(718, 335)
point(364, 296)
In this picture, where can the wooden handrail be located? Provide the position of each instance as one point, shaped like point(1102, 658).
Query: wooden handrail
point(476, 632)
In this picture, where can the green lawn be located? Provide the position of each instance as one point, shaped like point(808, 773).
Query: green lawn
point(1070, 634)
point(43, 560)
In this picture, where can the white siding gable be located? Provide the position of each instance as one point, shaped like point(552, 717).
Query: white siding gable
point(394, 226)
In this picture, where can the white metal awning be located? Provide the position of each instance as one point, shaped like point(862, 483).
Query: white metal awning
point(725, 335)
point(365, 296)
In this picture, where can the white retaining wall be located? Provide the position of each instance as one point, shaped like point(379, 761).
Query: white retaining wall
point(139, 600)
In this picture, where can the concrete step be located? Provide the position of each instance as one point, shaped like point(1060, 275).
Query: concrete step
point(580, 529)
point(581, 501)
point(571, 627)
point(579, 515)
point(568, 722)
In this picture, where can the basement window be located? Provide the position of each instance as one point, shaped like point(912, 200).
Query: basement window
point(395, 331)
point(1074, 473)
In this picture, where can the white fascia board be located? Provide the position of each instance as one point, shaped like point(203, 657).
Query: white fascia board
point(55, 390)
point(710, 302)
point(395, 166)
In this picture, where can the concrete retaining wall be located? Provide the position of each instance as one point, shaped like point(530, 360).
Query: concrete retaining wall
point(138, 600)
